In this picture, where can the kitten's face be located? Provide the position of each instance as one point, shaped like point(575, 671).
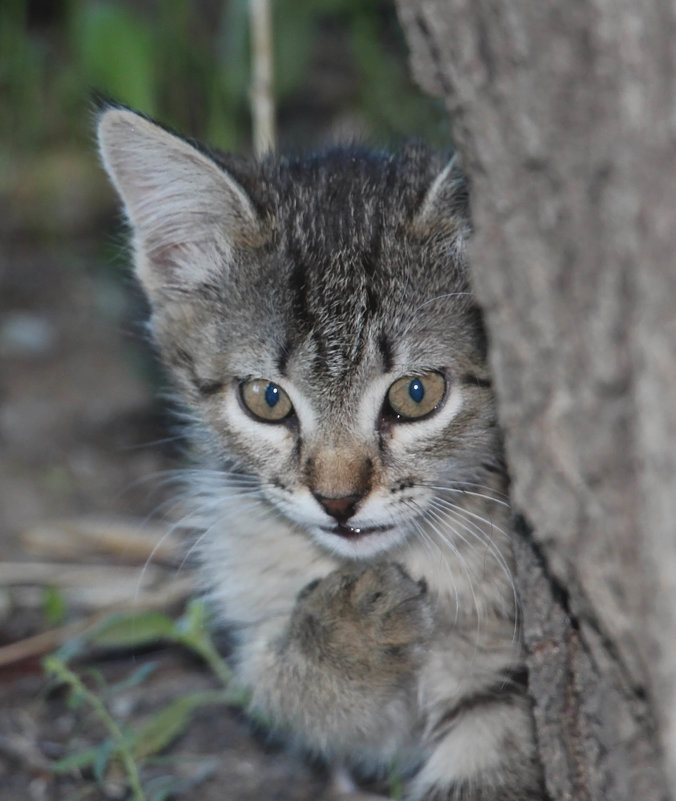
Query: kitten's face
point(316, 313)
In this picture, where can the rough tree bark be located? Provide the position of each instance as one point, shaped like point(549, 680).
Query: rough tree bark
point(565, 114)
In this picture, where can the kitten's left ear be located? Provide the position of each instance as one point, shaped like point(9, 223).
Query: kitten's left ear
point(186, 211)
point(445, 207)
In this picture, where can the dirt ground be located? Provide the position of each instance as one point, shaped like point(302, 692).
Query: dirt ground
point(82, 444)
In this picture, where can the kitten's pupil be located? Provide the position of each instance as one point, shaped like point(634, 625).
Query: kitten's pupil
point(416, 390)
point(272, 395)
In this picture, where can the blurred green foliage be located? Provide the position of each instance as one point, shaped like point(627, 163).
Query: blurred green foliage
point(187, 63)
point(135, 748)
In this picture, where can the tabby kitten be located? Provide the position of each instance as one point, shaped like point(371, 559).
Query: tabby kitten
point(316, 315)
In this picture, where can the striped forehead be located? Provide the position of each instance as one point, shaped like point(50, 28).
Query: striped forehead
point(335, 304)
point(336, 350)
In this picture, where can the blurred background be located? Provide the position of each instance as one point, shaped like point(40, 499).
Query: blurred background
point(84, 440)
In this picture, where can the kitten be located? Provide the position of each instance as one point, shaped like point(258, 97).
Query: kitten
point(316, 315)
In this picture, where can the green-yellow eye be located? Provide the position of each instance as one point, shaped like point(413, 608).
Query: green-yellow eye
point(265, 400)
point(415, 396)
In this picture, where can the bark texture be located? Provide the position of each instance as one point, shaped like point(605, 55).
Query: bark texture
point(565, 114)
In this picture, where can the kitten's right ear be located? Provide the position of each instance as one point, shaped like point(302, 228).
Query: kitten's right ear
point(445, 206)
point(186, 211)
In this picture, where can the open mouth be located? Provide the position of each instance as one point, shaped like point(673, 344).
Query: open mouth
point(354, 533)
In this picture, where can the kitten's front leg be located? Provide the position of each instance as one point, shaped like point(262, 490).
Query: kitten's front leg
point(480, 747)
point(343, 675)
point(349, 673)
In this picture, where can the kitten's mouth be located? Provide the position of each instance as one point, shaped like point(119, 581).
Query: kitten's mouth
point(354, 533)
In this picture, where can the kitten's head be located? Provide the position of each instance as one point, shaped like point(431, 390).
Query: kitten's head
point(316, 313)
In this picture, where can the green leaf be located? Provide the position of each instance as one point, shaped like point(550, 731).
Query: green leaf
point(170, 722)
point(131, 630)
point(194, 622)
point(54, 606)
point(103, 755)
point(77, 761)
point(192, 631)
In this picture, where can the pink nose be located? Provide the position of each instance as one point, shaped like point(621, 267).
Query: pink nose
point(340, 508)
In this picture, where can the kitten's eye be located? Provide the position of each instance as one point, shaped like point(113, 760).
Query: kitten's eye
point(413, 397)
point(265, 400)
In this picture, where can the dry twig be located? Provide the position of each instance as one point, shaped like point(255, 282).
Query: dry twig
point(262, 99)
point(32, 647)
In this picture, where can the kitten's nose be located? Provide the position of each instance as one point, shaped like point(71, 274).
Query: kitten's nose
point(340, 508)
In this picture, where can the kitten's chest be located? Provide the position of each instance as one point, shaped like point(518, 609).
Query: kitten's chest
point(256, 569)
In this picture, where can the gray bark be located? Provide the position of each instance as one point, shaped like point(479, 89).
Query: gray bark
point(565, 114)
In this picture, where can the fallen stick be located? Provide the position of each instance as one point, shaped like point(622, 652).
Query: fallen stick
point(40, 644)
point(129, 539)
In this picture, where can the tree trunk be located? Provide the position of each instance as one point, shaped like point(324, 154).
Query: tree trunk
point(565, 114)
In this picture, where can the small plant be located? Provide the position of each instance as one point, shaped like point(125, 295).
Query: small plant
point(131, 749)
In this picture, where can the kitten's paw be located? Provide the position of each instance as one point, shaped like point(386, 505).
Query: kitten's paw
point(367, 619)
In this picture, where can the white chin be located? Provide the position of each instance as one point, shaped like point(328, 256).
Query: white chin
point(362, 546)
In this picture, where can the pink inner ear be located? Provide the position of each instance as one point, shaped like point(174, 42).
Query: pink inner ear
point(167, 257)
point(182, 259)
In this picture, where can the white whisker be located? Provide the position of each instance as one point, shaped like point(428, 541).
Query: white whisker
point(464, 518)
point(491, 525)
point(208, 498)
point(476, 532)
point(460, 491)
point(431, 513)
point(441, 297)
point(255, 511)
point(429, 543)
